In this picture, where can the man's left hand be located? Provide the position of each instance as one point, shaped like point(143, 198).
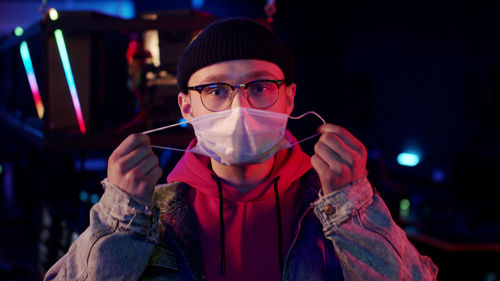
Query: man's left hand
point(339, 158)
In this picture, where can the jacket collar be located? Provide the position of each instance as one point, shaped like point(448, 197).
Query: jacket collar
point(177, 219)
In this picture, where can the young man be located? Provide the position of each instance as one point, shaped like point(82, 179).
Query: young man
point(244, 203)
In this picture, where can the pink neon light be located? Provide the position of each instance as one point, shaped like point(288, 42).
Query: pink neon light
point(36, 95)
point(78, 109)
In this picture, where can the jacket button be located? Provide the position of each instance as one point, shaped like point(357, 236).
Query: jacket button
point(330, 210)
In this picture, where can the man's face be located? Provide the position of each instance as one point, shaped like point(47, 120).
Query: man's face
point(235, 72)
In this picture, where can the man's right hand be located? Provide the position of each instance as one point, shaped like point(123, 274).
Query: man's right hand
point(133, 167)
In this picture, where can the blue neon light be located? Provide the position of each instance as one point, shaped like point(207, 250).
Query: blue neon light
point(197, 4)
point(183, 125)
point(408, 159)
point(63, 53)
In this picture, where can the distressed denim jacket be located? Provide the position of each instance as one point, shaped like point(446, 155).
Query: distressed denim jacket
point(346, 235)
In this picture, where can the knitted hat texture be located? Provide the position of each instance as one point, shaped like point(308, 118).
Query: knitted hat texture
point(232, 39)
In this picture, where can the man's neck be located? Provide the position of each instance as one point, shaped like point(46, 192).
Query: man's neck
point(243, 177)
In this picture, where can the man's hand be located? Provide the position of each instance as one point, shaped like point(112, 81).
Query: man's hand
point(133, 167)
point(339, 158)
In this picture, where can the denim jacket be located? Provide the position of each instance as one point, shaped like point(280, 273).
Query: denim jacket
point(346, 235)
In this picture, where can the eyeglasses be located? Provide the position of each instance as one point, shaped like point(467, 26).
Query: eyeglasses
point(219, 96)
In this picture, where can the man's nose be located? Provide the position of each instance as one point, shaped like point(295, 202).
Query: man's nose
point(239, 99)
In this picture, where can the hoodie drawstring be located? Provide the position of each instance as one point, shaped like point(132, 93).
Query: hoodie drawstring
point(280, 224)
point(222, 232)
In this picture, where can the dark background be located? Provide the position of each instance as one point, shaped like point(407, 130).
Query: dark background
point(401, 76)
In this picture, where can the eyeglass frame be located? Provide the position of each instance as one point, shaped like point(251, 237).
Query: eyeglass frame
point(243, 87)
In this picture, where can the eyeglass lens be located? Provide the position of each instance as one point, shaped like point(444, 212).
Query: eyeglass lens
point(260, 94)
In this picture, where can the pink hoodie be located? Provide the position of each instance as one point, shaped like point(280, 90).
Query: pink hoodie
point(250, 220)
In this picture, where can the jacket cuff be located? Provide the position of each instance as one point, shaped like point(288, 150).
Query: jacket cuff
point(131, 214)
point(337, 207)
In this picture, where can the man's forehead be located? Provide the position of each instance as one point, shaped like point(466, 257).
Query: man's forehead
point(237, 70)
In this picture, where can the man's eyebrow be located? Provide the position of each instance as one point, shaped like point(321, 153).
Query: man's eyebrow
point(261, 74)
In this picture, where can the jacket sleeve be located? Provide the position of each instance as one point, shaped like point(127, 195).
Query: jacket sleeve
point(369, 244)
point(116, 245)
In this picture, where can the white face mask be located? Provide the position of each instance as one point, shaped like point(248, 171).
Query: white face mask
point(239, 136)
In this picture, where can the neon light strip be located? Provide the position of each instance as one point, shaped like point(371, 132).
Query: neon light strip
point(28, 66)
point(63, 53)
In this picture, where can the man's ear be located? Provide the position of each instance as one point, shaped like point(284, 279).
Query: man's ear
point(290, 97)
point(184, 101)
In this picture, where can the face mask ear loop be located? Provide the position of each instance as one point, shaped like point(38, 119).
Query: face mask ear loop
point(309, 112)
point(163, 128)
point(168, 147)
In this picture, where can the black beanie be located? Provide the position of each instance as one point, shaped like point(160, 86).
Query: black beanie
point(232, 39)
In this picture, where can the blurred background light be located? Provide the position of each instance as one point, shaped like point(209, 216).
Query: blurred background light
point(197, 4)
point(84, 196)
point(53, 14)
point(404, 209)
point(91, 164)
point(408, 159)
point(23, 13)
point(152, 44)
point(404, 204)
point(94, 198)
point(438, 176)
point(18, 31)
